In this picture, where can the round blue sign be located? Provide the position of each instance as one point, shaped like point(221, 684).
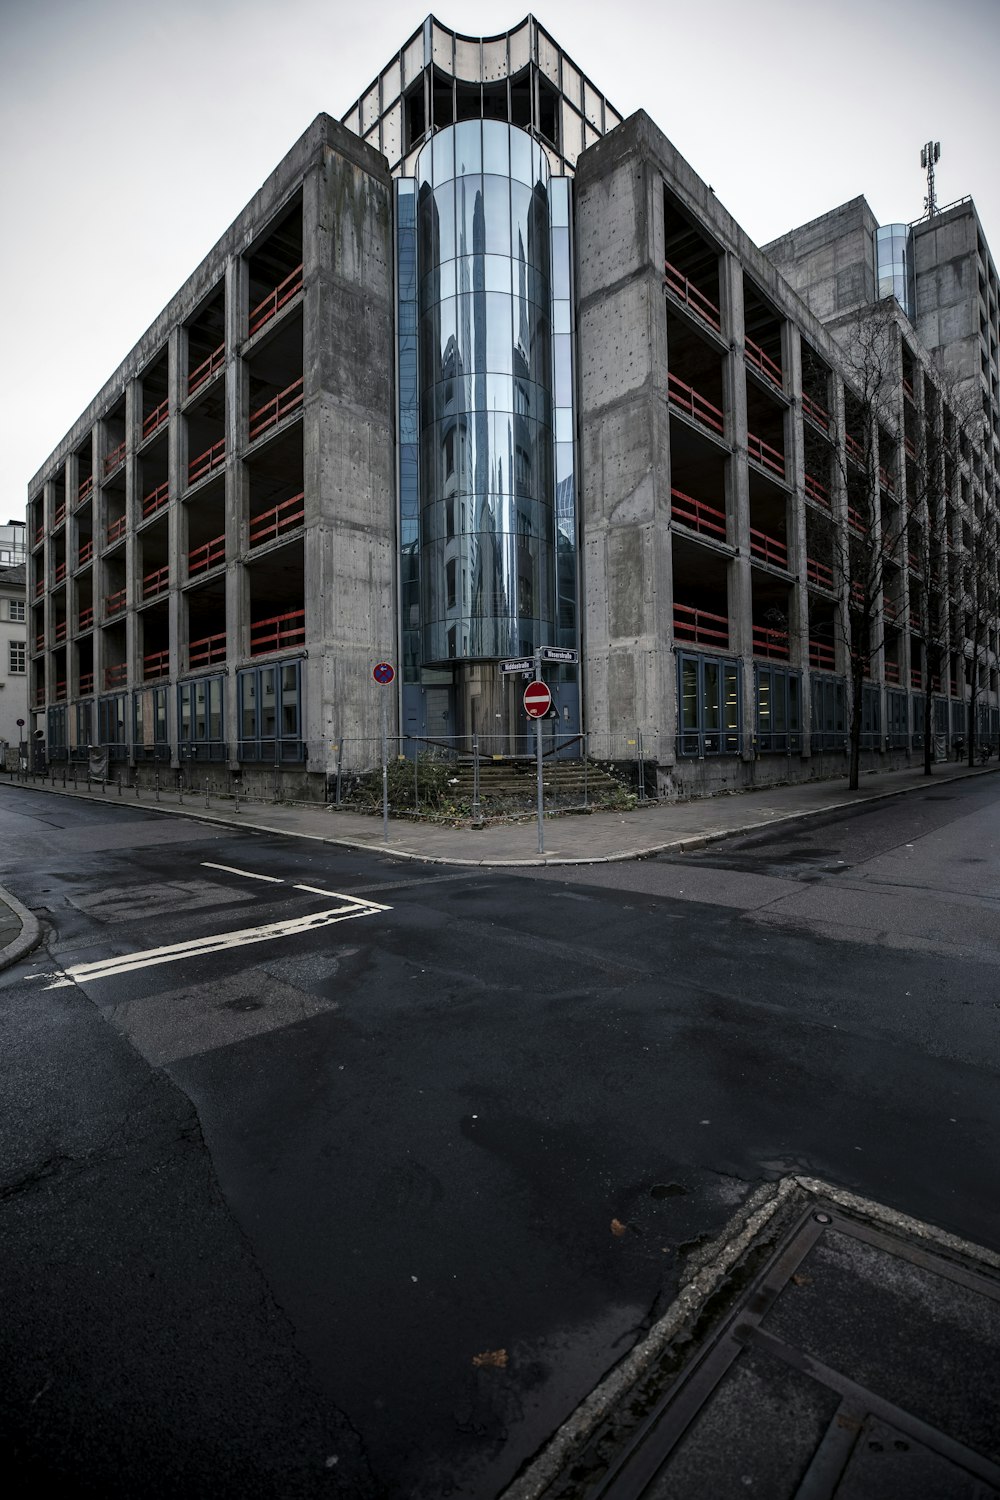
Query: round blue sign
point(384, 673)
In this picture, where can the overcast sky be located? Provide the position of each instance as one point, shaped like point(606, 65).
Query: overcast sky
point(134, 134)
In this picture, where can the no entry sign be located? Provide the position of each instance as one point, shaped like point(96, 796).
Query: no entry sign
point(537, 700)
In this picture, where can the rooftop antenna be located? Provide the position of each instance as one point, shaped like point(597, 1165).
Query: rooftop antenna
point(930, 154)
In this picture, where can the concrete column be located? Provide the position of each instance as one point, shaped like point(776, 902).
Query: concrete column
point(134, 642)
point(740, 576)
point(795, 463)
point(237, 398)
point(176, 390)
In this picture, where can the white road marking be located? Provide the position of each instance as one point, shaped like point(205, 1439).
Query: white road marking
point(338, 896)
point(126, 963)
point(232, 870)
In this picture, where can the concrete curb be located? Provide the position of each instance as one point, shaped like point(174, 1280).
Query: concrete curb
point(27, 939)
point(679, 845)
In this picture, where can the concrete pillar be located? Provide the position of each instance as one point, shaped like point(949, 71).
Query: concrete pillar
point(740, 576)
point(237, 412)
point(176, 390)
point(795, 466)
point(134, 640)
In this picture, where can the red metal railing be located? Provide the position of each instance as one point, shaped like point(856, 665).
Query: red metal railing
point(86, 682)
point(763, 362)
point(115, 603)
point(156, 417)
point(822, 656)
point(60, 572)
point(85, 618)
point(686, 291)
point(38, 701)
point(890, 608)
point(60, 631)
point(116, 530)
point(769, 548)
point(60, 514)
point(152, 502)
point(910, 446)
point(207, 461)
point(208, 367)
point(38, 536)
point(858, 595)
point(277, 632)
point(815, 412)
point(156, 664)
point(207, 555)
point(697, 514)
point(763, 453)
point(854, 448)
point(885, 479)
point(86, 490)
point(819, 573)
point(114, 458)
point(155, 582)
point(935, 683)
point(286, 401)
point(40, 587)
point(916, 620)
point(916, 677)
point(275, 301)
point(700, 626)
point(40, 641)
point(116, 676)
point(61, 691)
point(908, 389)
point(892, 672)
point(771, 643)
point(270, 523)
point(817, 491)
point(689, 400)
point(856, 520)
point(85, 553)
point(913, 562)
point(207, 649)
point(953, 687)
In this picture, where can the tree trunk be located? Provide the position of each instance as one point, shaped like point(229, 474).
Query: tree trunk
point(854, 772)
point(928, 716)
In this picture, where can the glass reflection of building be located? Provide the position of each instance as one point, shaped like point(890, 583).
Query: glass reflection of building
point(894, 271)
point(482, 135)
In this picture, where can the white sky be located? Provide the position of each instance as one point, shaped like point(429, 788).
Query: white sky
point(136, 132)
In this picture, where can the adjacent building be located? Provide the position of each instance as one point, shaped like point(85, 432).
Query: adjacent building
point(484, 368)
point(13, 647)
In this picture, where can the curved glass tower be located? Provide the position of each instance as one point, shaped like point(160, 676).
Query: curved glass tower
point(487, 480)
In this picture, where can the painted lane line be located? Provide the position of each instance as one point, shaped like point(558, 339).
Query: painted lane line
point(126, 963)
point(232, 870)
point(338, 896)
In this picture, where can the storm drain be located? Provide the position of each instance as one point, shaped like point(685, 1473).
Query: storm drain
point(862, 1363)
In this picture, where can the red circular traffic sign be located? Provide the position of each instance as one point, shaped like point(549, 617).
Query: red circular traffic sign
point(537, 700)
point(383, 673)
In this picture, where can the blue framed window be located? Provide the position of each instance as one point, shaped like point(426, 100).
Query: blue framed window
point(828, 700)
point(871, 717)
point(708, 705)
point(778, 709)
point(112, 725)
point(897, 716)
point(201, 719)
point(270, 709)
point(56, 728)
point(149, 724)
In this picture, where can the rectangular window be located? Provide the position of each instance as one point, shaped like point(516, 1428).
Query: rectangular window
point(871, 717)
point(270, 707)
point(200, 719)
point(149, 724)
point(112, 725)
point(709, 705)
point(18, 661)
point(897, 718)
point(57, 733)
point(15, 609)
point(779, 710)
point(829, 715)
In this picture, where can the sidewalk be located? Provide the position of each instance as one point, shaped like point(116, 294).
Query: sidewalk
point(570, 839)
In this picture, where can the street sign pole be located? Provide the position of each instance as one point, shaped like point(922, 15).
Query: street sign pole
point(385, 769)
point(538, 760)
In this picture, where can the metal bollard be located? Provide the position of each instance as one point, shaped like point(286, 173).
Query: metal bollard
point(136, 784)
point(157, 786)
point(180, 790)
point(104, 786)
point(206, 794)
point(236, 794)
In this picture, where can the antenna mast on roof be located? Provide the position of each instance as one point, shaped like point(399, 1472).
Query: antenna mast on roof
point(930, 154)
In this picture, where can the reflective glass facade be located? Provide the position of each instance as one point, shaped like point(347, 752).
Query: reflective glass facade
point(893, 248)
point(486, 417)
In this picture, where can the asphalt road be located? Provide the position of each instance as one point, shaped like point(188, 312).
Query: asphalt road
point(310, 1182)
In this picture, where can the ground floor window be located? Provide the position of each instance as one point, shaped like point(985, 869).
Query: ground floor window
point(708, 693)
point(897, 718)
point(149, 724)
point(779, 709)
point(270, 709)
point(112, 725)
point(829, 713)
point(871, 717)
point(200, 719)
point(57, 733)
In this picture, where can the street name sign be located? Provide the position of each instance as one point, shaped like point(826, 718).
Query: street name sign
point(560, 653)
point(522, 664)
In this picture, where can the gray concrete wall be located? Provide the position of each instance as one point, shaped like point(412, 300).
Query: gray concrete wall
point(830, 262)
